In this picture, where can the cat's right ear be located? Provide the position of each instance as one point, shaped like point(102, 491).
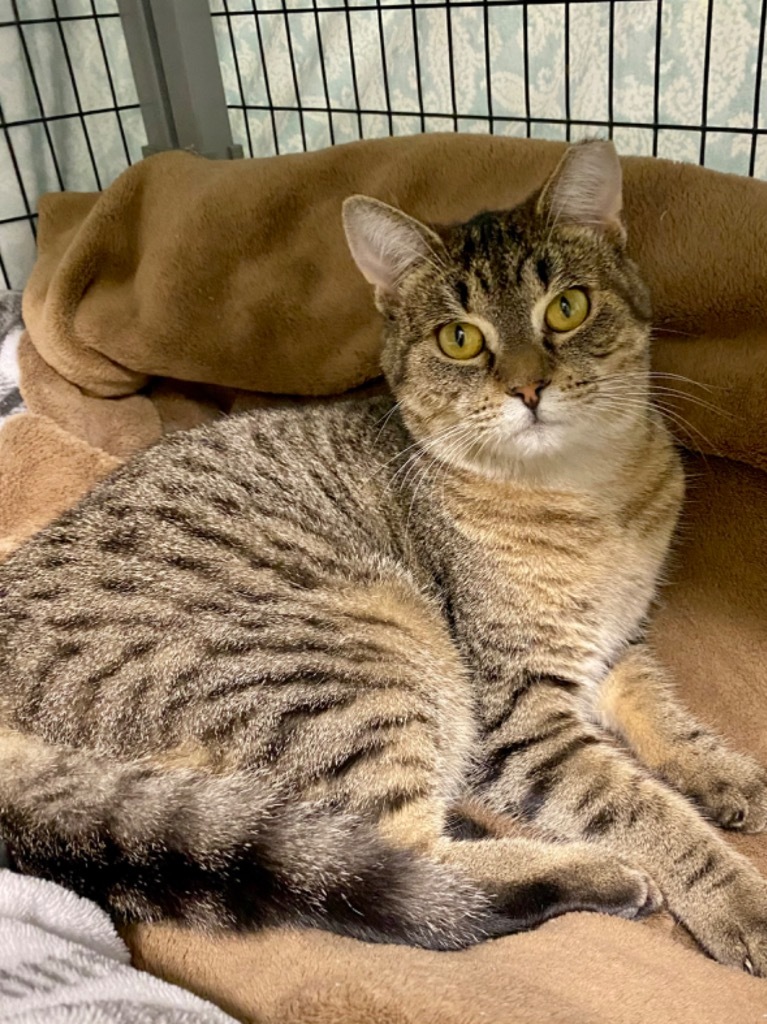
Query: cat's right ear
point(385, 243)
point(585, 190)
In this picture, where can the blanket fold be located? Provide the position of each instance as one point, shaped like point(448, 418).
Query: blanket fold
point(237, 274)
point(189, 289)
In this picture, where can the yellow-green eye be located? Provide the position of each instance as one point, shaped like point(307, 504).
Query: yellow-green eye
point(461, 340)
point(568, 310)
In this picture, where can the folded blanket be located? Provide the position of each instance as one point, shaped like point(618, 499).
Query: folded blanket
point(235, 276)
point(188, 286)
point(61, 962)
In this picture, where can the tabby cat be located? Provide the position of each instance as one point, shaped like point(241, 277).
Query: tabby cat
point(248, 677)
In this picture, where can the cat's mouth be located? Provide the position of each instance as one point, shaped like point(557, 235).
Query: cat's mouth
point(520, 419)
point(530, 433)
point(539, 434)
point(538, 420)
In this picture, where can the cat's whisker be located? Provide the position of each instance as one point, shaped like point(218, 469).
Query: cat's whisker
point(383, 420)
point(399, 454)
point(649, 375)
point(683, 422)
point(444, 463)
point(425, 468)
point(457, 445)
point(658, 392)
point(687, 380)
point(627, 402)
point(426, 447)
point(461, 439)
point(660, 329)
point(632, 379)
point(407, 468)
point(429, 443)
point(672, 395)
point(444, 466)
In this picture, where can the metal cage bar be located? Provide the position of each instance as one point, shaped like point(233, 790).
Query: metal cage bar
point(52, 133)
point(272, 76)
point(378, 109)
point(175, 66)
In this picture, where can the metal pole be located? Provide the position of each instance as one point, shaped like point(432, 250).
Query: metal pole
point(174, 59)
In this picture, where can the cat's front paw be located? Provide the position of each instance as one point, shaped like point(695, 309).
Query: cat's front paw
point(730, 788)
point(590, 880)
point(733, 792)
point(732, 924)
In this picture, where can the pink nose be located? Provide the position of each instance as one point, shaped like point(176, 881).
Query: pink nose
point(530, 393)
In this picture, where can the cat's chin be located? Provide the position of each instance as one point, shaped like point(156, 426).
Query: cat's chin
point(533, 443)
point(527, 435)
point(541, 453)
point(518, 452)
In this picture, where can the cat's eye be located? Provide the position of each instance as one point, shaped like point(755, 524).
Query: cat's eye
point(568, 310)
point(461, 340)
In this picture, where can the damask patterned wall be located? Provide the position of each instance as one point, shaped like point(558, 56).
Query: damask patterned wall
point(308, 73)
point(67, 56)
point(603, 44)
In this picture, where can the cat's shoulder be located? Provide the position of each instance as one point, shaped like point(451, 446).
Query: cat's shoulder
point(291, 426)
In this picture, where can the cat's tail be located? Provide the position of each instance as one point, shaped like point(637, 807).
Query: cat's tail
point(221, 851)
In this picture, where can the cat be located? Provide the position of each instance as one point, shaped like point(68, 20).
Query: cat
point(247, 679)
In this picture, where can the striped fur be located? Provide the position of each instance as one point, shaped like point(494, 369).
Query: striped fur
point(249, 678)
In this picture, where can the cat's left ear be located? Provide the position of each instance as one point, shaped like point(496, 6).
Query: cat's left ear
point(586, 190)
point(385, 243)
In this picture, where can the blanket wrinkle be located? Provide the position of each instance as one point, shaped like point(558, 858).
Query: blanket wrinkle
point(190, 289)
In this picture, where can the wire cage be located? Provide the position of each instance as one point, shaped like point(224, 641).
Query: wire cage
point(89, 86)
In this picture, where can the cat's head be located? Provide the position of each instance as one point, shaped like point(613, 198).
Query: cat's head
point(505, 338)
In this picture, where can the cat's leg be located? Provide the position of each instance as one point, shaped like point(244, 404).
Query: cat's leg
point(545, 762)
point(375, 717)
point(636, 702)
point(528, 881)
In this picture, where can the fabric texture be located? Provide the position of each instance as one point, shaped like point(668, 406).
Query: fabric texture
point(61, 962)
point(189, 289)
point(11, 326)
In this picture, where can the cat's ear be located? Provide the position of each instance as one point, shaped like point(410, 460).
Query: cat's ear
point(586, 190)
point(385, 243)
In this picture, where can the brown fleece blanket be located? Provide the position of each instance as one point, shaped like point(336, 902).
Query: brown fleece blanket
point(188, 287)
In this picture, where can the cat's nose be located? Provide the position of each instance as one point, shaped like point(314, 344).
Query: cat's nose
point(530, 393)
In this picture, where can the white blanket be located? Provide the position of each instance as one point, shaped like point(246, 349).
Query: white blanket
point(61, 962)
